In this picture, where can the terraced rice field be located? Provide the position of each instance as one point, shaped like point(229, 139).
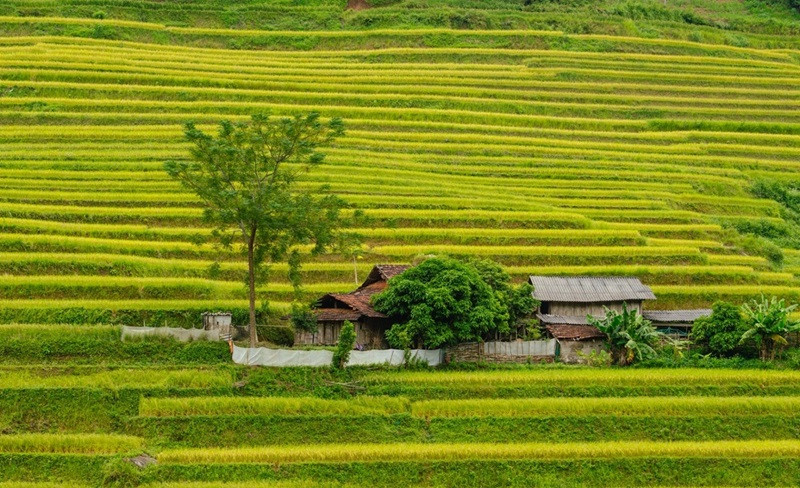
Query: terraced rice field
point(549, 152)
point(544, 427)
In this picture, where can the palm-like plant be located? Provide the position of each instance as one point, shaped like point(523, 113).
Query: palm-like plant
point(768, 323)
point(630, 336)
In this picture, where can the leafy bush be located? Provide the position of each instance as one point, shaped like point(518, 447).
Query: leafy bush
point(347, 339)
point(302, 318)
point(630, 336)
point(442, 301)
point(279, 335)
point(721, 332)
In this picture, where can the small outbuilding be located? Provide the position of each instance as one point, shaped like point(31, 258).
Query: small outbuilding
point(675, 323)
point(567, 301)
point(333, 309)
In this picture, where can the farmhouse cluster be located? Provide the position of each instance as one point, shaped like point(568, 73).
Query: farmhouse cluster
point(565, 303)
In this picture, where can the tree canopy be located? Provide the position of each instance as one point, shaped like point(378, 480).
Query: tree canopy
point(246, 175)
point(445, 301)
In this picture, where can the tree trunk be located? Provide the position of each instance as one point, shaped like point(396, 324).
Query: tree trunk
point(251, 282)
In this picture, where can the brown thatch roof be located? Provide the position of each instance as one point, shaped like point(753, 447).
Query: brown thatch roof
point(589, 289)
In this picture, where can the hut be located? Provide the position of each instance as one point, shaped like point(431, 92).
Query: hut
point(675, 323)
point(567, 301)
point(333, 309)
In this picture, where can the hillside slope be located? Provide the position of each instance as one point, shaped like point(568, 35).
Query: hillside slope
point(616, 138)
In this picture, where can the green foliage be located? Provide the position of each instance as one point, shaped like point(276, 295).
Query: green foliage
point(767, 321)
point(630, 336)
point(347, 339)
point(121, 473)
point(721, 332)
point(517, 299)
point(302, 318)
point(441, 301)
point(276, 334)
point(247, 177)
point(21, 344)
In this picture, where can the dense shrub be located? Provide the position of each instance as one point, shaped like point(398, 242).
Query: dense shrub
point(347, 339)
point(721, 332)
point(444, 301)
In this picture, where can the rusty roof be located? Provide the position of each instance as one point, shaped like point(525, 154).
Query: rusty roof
point(337, 314)
point(381, 273)
point(676, 316)
point(356, 304)
point(575, 332)
point(359, 303)
point(589, 289)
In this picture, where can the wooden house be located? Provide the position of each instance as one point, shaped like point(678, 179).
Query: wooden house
point(567, 301)
point(333, 309)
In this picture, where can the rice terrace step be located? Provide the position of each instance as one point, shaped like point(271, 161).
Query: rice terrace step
point(387, 243)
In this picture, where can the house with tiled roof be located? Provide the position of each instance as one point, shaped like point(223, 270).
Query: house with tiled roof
point(333, 309)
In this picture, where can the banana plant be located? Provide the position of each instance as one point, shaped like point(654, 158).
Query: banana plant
point(630, 336)
point(768, 322)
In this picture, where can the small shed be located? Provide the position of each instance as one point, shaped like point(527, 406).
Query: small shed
point(675, 323)
point(567, 301)
point(333, 309)
point(574, 336)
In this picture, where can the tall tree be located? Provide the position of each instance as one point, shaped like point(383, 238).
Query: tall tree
point(247, 174)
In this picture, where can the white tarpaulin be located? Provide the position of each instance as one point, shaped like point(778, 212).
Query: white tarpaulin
point(183, 335)
point(262, 356)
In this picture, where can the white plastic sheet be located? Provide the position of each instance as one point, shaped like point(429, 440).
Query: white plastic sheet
point(183, 335)
point(261, 356)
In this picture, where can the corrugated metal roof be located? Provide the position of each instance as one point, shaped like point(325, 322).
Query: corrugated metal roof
point(562, 319)
point(676, 316)
point(589, 289)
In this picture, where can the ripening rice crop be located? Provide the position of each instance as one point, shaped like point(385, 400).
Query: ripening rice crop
point(536, 149)
point(68, 443)
point(362, 405)
point(459, 452)
point(586, 377)
point(649, 406)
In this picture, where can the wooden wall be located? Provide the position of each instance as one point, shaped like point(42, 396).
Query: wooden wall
point(573, 309)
